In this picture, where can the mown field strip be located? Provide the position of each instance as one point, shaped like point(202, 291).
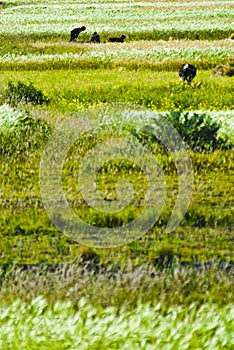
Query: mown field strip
point(139, 45)
point(127, 52)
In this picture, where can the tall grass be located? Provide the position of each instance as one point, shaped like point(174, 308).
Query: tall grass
point(68, 91)
point(111, 56)
point(31, 22)
point(120, 284)
point(62, 327)
point(25, 222)
point(141, 20)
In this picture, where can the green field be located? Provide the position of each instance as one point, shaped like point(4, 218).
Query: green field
point(143, 328)
point(172, 289)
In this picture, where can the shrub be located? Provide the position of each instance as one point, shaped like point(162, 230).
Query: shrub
point(224, 70)
point(20, 92)
point(88, 255)
point(164, 256)
point(199, 130)
point(20, 132)
point(227, 69)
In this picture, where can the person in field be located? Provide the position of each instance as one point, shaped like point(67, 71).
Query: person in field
point(95, 38)
point(75, 32)
point(187, 72)
point(118, 40)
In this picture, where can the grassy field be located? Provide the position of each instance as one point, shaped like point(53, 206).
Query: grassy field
point(143, 328)
point(69, 91)
point(138, 19)
point(172, 289)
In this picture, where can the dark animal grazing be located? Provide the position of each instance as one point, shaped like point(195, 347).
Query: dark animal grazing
point(118, 40)
point(95, 38)
point(75, 32)
point(187, 72)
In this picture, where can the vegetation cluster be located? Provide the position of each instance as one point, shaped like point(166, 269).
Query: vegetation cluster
point(164, 289)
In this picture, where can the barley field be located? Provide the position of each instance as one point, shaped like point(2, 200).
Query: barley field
point(145, 161)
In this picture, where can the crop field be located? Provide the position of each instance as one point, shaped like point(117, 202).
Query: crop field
point(116, 197)
point(91, 328)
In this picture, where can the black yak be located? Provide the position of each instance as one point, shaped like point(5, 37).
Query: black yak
point(187, 72)
point(118, 40)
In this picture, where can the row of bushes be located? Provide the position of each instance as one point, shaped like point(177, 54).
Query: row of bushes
point(200, 130)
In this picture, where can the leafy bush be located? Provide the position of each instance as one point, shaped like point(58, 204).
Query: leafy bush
point(203, 131)
point(20, 92)
point(200, 130)
point(21, 133)
point(165, 256)
point(90, 259)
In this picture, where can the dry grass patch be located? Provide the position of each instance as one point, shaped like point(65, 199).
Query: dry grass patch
point(200, 44)
point(137, 45)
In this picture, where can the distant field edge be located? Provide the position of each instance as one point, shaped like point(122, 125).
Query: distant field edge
point(201, 34)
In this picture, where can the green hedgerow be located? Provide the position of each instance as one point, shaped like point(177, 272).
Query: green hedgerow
point(20, 92)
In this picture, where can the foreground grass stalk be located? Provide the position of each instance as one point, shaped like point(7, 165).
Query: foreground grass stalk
point(88, 327)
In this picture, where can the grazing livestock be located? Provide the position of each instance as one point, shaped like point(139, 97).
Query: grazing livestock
point(187, 72)
point(75, 32)
point(95, 38)
point(118, 40)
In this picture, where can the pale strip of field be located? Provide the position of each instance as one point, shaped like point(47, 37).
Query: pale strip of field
point(147, 50)
point(182, 5)
point(143, 45)
point(154, 3)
